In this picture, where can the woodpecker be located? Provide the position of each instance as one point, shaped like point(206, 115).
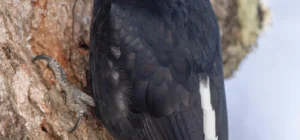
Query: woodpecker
point(156, 71)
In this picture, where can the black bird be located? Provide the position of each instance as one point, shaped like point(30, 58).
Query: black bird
point(156, 70)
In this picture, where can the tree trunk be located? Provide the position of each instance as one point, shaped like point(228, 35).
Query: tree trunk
point(32, 105)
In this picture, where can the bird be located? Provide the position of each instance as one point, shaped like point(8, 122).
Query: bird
point(156, 70)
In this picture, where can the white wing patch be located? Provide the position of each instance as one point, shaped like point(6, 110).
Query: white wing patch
point(115, 75)
point(209, 115)
point(116, 51)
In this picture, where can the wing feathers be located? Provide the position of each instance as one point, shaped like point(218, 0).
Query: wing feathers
point(209, 115)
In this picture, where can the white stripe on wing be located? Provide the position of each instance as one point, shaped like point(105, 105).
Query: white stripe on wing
point(209, 115)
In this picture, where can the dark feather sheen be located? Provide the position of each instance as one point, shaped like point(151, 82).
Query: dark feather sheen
point(165, 45)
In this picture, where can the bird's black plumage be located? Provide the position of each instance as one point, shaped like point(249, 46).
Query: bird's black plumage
point(146, 61)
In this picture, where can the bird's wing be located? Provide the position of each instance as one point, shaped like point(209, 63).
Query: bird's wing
point(164, 63)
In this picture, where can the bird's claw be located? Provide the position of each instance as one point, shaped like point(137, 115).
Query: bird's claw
point(77, 124)
point(78, 102)
point(76, 99)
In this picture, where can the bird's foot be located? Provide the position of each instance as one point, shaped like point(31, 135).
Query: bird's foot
point(76, 100)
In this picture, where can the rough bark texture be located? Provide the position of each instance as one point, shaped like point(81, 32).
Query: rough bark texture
point(32, 106)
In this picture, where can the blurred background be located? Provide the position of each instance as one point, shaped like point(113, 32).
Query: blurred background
point(263, 94)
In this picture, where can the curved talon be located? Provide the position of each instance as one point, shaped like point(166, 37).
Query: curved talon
point(80, 98)
point(42, 57)
point(77, 124)
point(56, 68)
